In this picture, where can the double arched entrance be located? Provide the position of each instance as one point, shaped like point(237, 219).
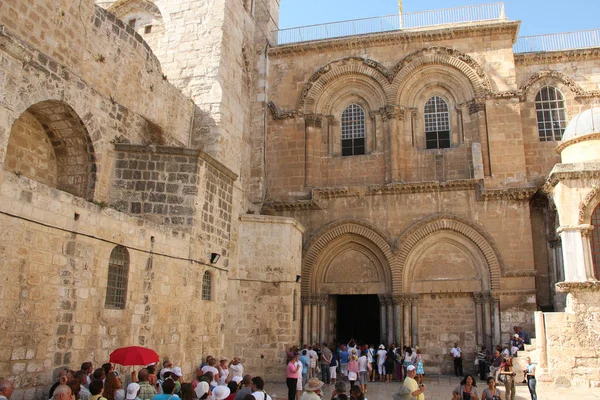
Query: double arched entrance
point(433, 286)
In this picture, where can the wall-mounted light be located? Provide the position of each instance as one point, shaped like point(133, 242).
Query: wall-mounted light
point(214, 257)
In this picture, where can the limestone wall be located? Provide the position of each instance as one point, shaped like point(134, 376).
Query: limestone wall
point(263, 311)
point(57, 248)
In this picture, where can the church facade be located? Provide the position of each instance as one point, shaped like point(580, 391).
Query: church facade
point(175, 175)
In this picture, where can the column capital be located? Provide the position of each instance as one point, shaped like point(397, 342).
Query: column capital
point(479, 298)
point(584, 229)
point(321, 300)
point(306, 300)
point(313, 120)
point(398, 299)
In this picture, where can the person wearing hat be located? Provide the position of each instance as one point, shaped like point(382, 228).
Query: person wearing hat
point(133, 389)
point(411, 384)
point(221, 392)
point(381, 353)
point(177, 375)
point(312, 389)
point(202, 390)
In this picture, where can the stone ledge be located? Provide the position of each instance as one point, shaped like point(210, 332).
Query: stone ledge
point(272, 219)
point(544, 57)
point(567, 287)
point(573, 171)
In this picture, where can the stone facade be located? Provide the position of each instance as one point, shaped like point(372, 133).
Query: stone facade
point(177, 130)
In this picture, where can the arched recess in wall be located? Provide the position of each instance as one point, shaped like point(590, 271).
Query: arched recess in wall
point(347, 251)
point(470, 255)
point(349, 73)
point(557, 79)
point(441, 56)
point(145, 18)
point(50, 144)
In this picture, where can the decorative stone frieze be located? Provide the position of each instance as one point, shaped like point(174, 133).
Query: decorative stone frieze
point(567, 287)
point(278, 114)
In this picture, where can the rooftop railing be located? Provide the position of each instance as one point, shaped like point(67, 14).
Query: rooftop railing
point(558, 41)
point(421, 19)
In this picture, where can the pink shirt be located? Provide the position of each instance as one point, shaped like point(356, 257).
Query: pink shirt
point(292, 370)
point(353, 366)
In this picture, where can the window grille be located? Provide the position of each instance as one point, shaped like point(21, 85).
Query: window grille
point(550, 111)
point(353, 131)
point(596, 241)
point(118, 272)
point(437, 124)
point(207, 286)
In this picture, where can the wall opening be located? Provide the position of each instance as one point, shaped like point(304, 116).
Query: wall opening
point(357, 317)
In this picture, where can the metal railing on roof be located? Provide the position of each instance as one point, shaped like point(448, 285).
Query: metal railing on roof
point(421, 19)
point(558, 41)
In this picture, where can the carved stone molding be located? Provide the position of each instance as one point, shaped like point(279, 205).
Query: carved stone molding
point(526, 292)
point(321, 300)
point(562, 172)
point(557, 57)
point(577, 90)
point(584, 229)
point(519, 194)
point(384, 300)
point(585, 211)
point(306, 300)
point(569, 287)
point(521, 273)
point(476, 106)
point(281, 206)
point(578, 139)
point(478, 298)
point(278, 114)
point(392, 112)
point(313, 120)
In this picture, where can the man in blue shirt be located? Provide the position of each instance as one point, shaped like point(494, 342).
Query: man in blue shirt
point(305, 360)
point(344, 361)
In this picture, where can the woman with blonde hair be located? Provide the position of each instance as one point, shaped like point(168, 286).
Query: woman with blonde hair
point(353, 369)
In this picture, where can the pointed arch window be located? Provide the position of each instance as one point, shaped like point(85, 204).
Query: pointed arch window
point(437, 124)
point(550, 112)
point(353, 131)
point(118, 273)
point(596, 241)
point(207, 286)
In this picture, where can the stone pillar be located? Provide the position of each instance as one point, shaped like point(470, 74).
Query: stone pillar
point(305, 318)
point(495, 305)
point(390, 321)
point(479, 324)
point(577, 255)
point(540, 339)
point(312, 139)
point(398, 326)
point(487, 322)
point(414, 326)
point(323, 302)
point(314, 334)
point(382, 317)
point(407, 321)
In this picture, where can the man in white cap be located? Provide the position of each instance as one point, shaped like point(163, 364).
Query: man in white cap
point(133, 389)
point(411, 384)
point(202, 390)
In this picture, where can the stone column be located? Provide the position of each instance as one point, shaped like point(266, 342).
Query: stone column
point(479, 324)
point(495, 305)
point(407, 320)
point(382, 317)
point(487, 322)
point(314, 334)
point(305, 318)
point(540, 339)
point(414, 326)
point(390, 321)
point(577, 255)
point(398, 328)
point(323, 302)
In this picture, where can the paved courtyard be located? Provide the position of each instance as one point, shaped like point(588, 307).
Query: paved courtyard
point(440, 388)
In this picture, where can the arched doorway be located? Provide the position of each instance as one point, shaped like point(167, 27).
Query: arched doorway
point(347, 280)
point(49, 143)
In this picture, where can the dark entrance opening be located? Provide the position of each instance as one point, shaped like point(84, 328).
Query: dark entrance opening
point(358, 318)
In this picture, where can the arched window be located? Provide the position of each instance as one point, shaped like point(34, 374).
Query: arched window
point(596, 241)
point(437, 124)
point(550, 111)
point(207, 286)
point(353, 131)
point(118, 273)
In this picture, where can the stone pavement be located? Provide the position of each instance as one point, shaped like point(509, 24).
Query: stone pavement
point(439, 387)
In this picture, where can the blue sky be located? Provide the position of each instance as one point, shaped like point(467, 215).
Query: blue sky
point(537, 16)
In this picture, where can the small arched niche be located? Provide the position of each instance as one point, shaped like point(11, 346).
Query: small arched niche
point(50, 144)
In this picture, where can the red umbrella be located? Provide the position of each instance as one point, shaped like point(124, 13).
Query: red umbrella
point(133, 355)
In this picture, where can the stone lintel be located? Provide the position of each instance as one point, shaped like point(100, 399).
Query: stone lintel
point(274, 220)
point(177, 151)
point(564, 56)
point(403, 36)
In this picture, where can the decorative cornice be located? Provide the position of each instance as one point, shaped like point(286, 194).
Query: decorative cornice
point(521, 194)
point(584, 229)
point(569, 287)
point(525, 292)
point(278, 114)
point(570, 172)
point(395, 188)
point(298, 205)
point(558, 57)
point(400, 37)
point(521, 273)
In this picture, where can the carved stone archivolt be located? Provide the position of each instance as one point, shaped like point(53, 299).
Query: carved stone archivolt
point(588, 204)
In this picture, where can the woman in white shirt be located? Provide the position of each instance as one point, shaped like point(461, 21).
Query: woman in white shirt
point(380, 362)
point(210, 367)
point(223, 372)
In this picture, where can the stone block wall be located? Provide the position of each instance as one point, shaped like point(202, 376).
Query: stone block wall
point(53, 313)
point(262, 289)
